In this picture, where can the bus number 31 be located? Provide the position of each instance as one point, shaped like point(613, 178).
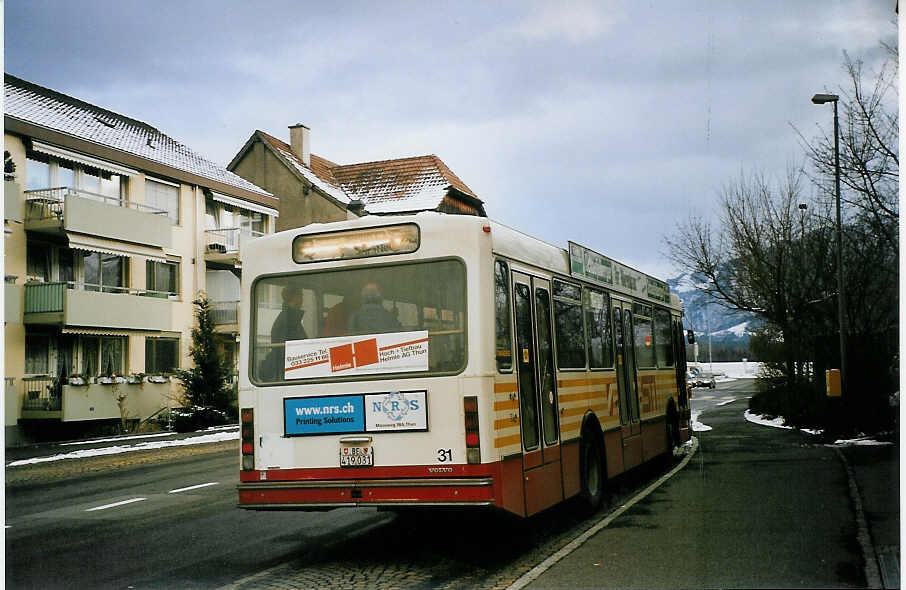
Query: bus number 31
point(444, 455)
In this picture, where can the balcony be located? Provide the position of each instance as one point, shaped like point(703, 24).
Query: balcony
point(48, 398)
point(66, 210)
point(77, 304)
point(223, 247)
point(225, 315)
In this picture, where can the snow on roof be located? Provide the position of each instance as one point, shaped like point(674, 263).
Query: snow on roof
point(334, 191)
point(53, 110)
point(402, 185)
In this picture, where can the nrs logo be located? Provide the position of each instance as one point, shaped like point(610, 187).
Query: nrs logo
point(395, 405)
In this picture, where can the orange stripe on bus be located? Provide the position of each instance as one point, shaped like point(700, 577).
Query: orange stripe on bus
point(505, 387)
point(509, 404)
point(574, 397)
point(573, 412)
point(505, 423)
point(505, 441)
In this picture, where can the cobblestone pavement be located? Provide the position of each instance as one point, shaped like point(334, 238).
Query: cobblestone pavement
point(67, 468)
point(446, 550)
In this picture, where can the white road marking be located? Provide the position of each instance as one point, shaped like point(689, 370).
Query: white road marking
point(201, 485)
point(115, 504)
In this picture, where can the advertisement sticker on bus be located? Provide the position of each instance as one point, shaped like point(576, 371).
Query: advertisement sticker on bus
point(396, 352)
point(324, 415)
point(396, 411)
point(393, 411)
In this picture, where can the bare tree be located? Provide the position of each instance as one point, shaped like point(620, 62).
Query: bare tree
point(765, 255)
point(869, 147)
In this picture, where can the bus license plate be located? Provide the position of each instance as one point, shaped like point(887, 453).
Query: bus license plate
point(362, 456)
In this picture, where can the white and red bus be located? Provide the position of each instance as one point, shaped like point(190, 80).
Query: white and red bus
point(445, 360)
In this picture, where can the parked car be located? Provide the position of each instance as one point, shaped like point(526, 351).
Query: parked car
point(195, 418)
point(705, 380)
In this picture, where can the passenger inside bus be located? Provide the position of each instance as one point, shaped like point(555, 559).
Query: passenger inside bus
point(337, 320)
point(288, 325)
point(372, 317)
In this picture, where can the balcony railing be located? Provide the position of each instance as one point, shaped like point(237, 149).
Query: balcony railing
point(226, 240)
point(225, 313)
point(48, 297)
point(42, 393)
point(49, 203)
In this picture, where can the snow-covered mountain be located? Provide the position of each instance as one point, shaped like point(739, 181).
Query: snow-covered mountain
point(704, 316)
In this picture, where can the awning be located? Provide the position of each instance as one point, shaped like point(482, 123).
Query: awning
point(119, 332)
point(97, 331)
point(107, 246)
point(65, 154)
point(245, 204)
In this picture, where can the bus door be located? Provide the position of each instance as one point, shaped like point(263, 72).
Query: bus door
point(679, 353)
point(627, 381)
point(537, 382)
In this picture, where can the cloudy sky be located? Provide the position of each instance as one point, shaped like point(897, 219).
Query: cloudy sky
point(597, 122)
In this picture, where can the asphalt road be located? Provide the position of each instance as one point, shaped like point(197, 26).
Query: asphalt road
point(165, 525)
point(755, 508)
point(752, 509)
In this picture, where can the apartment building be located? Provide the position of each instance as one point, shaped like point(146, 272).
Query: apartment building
point(111, 230)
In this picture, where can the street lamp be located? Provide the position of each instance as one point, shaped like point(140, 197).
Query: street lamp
point(823, 99)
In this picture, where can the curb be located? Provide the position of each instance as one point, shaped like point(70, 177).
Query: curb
point(536, 572)
point(863, 535)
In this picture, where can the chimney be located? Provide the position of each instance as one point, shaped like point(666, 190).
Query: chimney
point(300, 142)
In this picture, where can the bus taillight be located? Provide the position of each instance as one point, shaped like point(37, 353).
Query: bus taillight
point(247, 439)
point(470, 407)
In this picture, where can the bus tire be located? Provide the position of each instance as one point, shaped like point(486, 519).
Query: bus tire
point(592, 472)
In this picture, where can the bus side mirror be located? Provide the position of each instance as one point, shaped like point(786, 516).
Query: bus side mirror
point(690, 336)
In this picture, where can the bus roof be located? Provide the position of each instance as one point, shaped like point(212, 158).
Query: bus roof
point(577, 261)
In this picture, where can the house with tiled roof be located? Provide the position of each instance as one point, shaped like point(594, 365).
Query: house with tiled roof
point(112, 228)
point(313, 189)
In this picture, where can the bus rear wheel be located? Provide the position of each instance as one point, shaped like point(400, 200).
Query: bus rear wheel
point(673, 433)
point(593, 478)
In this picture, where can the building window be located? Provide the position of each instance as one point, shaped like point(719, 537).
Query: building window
point(37, 347)
point(161, 355)
point(44, 172)
point(37, 262)
point(90, 353)
point(113, 355)
point(161, 277)
point(105, 272)
point(103, 355)
point(163, 196)
point(37, 172)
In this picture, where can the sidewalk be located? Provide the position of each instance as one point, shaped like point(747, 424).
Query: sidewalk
point(876, 470)
point(754, 508)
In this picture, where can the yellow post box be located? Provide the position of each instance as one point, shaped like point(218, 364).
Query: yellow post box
point(832, 379)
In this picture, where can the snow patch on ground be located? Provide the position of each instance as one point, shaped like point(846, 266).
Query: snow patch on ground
point(142, 446)
point(733, 370)
point(115, 439)
point(698, 426)
point(726, 401)
point(774, 422)
point(862, 441)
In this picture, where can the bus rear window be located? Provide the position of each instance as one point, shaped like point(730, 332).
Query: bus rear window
point(403, 320)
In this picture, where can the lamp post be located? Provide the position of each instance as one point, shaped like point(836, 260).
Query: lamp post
point(823, 99)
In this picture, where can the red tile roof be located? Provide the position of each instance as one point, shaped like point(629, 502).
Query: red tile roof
point(418, 183)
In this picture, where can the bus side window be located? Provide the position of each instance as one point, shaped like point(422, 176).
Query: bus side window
point(504, 342)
